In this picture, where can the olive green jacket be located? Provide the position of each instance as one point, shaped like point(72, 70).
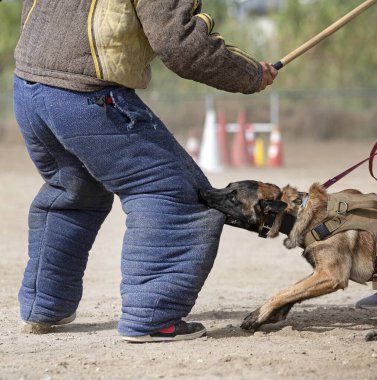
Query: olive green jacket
point(88, 44)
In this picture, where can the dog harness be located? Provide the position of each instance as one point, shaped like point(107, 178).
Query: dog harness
point(345, 212)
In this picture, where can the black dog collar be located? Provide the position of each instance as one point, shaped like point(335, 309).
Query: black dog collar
point(287, 224)
point(285, 228)
point(267, 225)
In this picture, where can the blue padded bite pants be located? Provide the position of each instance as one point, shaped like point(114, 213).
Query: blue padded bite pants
point(85, 153)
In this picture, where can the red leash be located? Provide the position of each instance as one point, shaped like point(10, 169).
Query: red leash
point(373, 153)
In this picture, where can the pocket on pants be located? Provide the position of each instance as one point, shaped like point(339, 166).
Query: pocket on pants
point(131, 106)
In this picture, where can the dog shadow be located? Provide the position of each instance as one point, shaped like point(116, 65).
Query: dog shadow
point(311, 319)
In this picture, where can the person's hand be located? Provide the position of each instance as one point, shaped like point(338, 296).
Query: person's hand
point(269, 74)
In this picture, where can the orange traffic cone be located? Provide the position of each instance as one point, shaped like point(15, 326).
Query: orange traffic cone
point(222, 137)
point(275, 154)
point(240, 156)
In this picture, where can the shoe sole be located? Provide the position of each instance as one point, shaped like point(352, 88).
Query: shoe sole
point(366, 307)
point(44, 328)
point(151, 339)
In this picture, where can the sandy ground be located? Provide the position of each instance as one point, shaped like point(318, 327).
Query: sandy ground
point(321, 339)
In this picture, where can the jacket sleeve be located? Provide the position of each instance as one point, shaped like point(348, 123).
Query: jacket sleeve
point(183, 39)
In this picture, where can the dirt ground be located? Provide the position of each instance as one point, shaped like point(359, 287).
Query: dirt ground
point(321, 339)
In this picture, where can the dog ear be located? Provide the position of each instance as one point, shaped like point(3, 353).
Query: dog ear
point(273, 206)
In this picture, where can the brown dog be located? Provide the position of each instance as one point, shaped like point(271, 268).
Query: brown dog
point(336, 258)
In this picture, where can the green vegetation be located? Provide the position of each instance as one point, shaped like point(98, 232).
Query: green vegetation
point(347, 59)
point(328, 92)
point(10, 14)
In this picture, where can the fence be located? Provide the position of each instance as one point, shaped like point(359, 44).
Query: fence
point(310, 114)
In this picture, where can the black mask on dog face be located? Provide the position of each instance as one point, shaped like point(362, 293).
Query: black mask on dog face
point(240, 202)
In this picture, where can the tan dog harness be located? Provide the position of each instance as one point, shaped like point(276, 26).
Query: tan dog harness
point(345, 212)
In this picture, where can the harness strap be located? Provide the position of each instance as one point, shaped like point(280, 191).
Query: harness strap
point(342, 203)
point(324, 230)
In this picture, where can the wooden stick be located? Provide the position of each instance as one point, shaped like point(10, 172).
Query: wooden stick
point(324, 34)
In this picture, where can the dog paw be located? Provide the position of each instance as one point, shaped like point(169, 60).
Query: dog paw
point(289, 243)
point(251, 321)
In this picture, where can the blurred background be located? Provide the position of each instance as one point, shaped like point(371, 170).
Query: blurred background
point(329, 93)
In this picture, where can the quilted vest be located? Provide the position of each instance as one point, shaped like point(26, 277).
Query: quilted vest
point(85, 44)
point(123, 50)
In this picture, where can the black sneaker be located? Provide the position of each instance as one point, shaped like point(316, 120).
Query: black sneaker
point(180, 331)
point(367, 302)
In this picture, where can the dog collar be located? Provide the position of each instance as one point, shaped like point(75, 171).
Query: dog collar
point(287, 224)
point(267, 225)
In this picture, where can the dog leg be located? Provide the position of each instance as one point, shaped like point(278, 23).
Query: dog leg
point(278, 306)
point(253, 320)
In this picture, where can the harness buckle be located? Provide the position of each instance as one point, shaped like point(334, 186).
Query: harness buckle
point(342, 207)
point(320, 232)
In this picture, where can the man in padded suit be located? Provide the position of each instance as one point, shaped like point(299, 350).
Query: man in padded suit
point(90, 136)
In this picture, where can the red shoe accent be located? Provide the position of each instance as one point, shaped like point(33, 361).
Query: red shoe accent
point(168, 330)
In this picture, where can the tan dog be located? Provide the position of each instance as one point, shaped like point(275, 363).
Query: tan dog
point(344, 256)
point(336, 259)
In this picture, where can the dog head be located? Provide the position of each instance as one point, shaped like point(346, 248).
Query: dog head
point(245, 203)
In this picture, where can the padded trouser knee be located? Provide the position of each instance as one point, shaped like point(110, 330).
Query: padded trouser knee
point(168, 253)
